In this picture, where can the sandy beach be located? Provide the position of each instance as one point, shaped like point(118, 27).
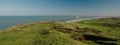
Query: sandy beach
point(76, 20)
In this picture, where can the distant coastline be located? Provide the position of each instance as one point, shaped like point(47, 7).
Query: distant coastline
point(76, 20)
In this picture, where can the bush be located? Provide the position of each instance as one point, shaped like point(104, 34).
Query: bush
point(46, 32)
point(78, 37)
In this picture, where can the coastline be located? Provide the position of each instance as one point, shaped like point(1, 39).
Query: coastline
point(76, 20)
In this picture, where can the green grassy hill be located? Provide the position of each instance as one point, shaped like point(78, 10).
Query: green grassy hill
point(110, 27)
point(87, 32)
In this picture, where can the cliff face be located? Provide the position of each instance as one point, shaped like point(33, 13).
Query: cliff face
point(88, 32)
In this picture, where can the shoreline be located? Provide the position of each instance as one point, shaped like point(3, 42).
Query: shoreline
point(76, 20)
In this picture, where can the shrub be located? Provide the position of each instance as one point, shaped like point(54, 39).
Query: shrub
point(77, 36)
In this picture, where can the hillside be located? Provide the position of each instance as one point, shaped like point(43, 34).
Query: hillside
point(110, 27)
point(88, 32)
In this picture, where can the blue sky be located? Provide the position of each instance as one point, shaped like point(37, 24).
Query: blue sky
point(60, 7)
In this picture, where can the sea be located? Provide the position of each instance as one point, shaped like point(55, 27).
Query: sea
point(8, 21)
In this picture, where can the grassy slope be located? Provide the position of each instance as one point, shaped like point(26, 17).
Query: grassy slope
point(60, 33)
point(37, 34)
point(110, 27)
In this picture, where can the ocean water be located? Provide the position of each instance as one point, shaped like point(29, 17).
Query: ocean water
point(8, 21)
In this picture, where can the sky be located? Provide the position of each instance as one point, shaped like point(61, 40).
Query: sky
point(60, 7)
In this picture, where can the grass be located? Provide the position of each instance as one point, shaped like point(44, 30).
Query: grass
point(36, 34)
point(61, 33)
point(110, 27)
